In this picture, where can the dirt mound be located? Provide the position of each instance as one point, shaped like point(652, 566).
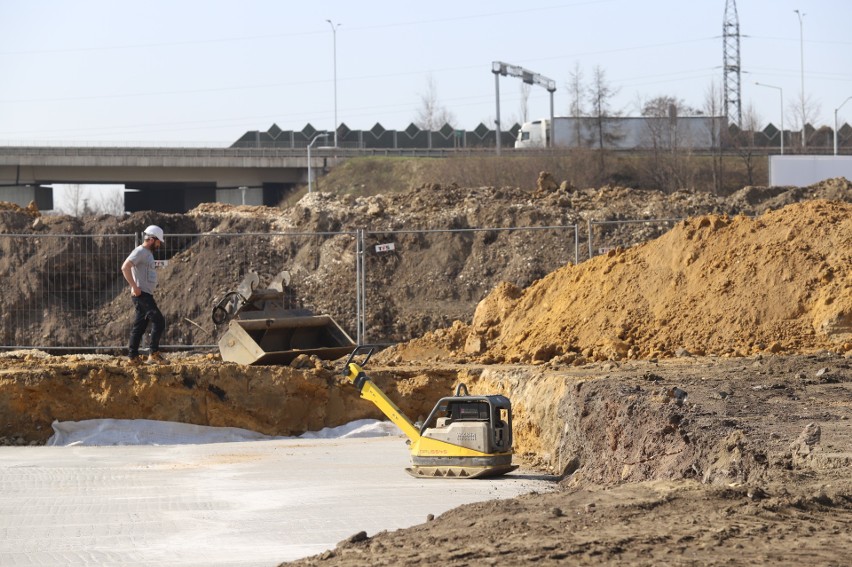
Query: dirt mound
point(762, 199)
point(635, 524)
point(30, 210)
point(712, 285)
point(224, 208)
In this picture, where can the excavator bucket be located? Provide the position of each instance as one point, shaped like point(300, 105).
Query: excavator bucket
point(280, 339)
point(262, 330)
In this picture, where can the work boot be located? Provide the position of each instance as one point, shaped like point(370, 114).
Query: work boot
point(133, 361)
point(156, 358)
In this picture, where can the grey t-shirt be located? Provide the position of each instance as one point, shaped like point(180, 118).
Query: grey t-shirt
point(143, 269)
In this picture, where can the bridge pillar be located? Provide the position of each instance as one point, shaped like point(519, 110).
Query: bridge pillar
point(240, 196)
point(22, 195)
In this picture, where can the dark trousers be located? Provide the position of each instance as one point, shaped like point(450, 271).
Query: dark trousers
point(146, 310)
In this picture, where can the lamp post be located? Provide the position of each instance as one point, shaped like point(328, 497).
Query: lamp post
point(310, 165)
point(781, 92)
point(802, 59)
point(835, 121)
point(334, 43)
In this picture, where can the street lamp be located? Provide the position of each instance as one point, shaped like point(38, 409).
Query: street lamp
point(802, 58)
point(835, 121)
point(781, 92)
point(334, 43)
point(310, 165)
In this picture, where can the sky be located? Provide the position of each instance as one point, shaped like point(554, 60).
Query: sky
point(203, 72)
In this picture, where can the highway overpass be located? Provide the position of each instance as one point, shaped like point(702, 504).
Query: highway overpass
point(162, 179)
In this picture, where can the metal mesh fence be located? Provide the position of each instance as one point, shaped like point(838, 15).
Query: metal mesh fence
point(53, 286)
point(67, 291)
point(604, 236)
point(421, 280)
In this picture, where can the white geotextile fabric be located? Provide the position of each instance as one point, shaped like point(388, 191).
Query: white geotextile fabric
point(99, 432)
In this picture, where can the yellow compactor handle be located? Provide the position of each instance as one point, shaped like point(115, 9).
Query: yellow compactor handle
point(369, 391)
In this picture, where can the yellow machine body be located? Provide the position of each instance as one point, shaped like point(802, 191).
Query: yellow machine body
point(464, 436)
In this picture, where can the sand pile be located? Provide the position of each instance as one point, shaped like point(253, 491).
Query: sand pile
point(712, 285)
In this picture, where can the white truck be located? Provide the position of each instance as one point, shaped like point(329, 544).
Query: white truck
point(622, 132)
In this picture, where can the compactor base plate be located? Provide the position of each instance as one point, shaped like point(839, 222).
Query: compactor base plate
point(459, 472)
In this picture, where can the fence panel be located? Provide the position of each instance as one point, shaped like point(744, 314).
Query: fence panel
point(54, 286)
point(67, 291)
point(604, 236)
point(421, 280)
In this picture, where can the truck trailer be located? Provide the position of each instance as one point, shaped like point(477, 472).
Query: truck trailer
point(623, 132)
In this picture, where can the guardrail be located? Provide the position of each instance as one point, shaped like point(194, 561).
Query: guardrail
point(346, 152)
point(30, 151)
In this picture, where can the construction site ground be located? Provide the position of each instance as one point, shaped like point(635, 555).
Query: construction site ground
point(730, 471)
point(219, 504)
point(688, 396)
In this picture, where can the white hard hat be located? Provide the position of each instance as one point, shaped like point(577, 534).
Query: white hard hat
point(156, 232)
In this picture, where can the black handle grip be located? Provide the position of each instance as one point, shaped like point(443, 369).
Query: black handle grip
point(358, 350)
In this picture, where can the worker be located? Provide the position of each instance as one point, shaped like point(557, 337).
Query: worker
point(139, 270)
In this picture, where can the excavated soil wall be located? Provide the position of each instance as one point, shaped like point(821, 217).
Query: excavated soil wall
point(37, 389)
point(717, 420)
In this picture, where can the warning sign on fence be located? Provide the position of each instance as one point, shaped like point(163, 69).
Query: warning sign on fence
point(389, 247)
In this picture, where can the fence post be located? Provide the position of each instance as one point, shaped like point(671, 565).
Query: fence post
point(576, 245)
point(589, 225)
point(360, 288)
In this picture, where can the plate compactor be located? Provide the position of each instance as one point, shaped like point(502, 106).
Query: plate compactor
point(464, 437)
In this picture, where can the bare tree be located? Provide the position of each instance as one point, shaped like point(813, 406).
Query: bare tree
point(80, 202)
point(77, 200)
point(670, 155)
point(713, 105)
point(600, 98)
point(805, 111)
point(111, 203)
point(576, 89)
point(743, 141)
point(432, 115)
point(666, 105)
